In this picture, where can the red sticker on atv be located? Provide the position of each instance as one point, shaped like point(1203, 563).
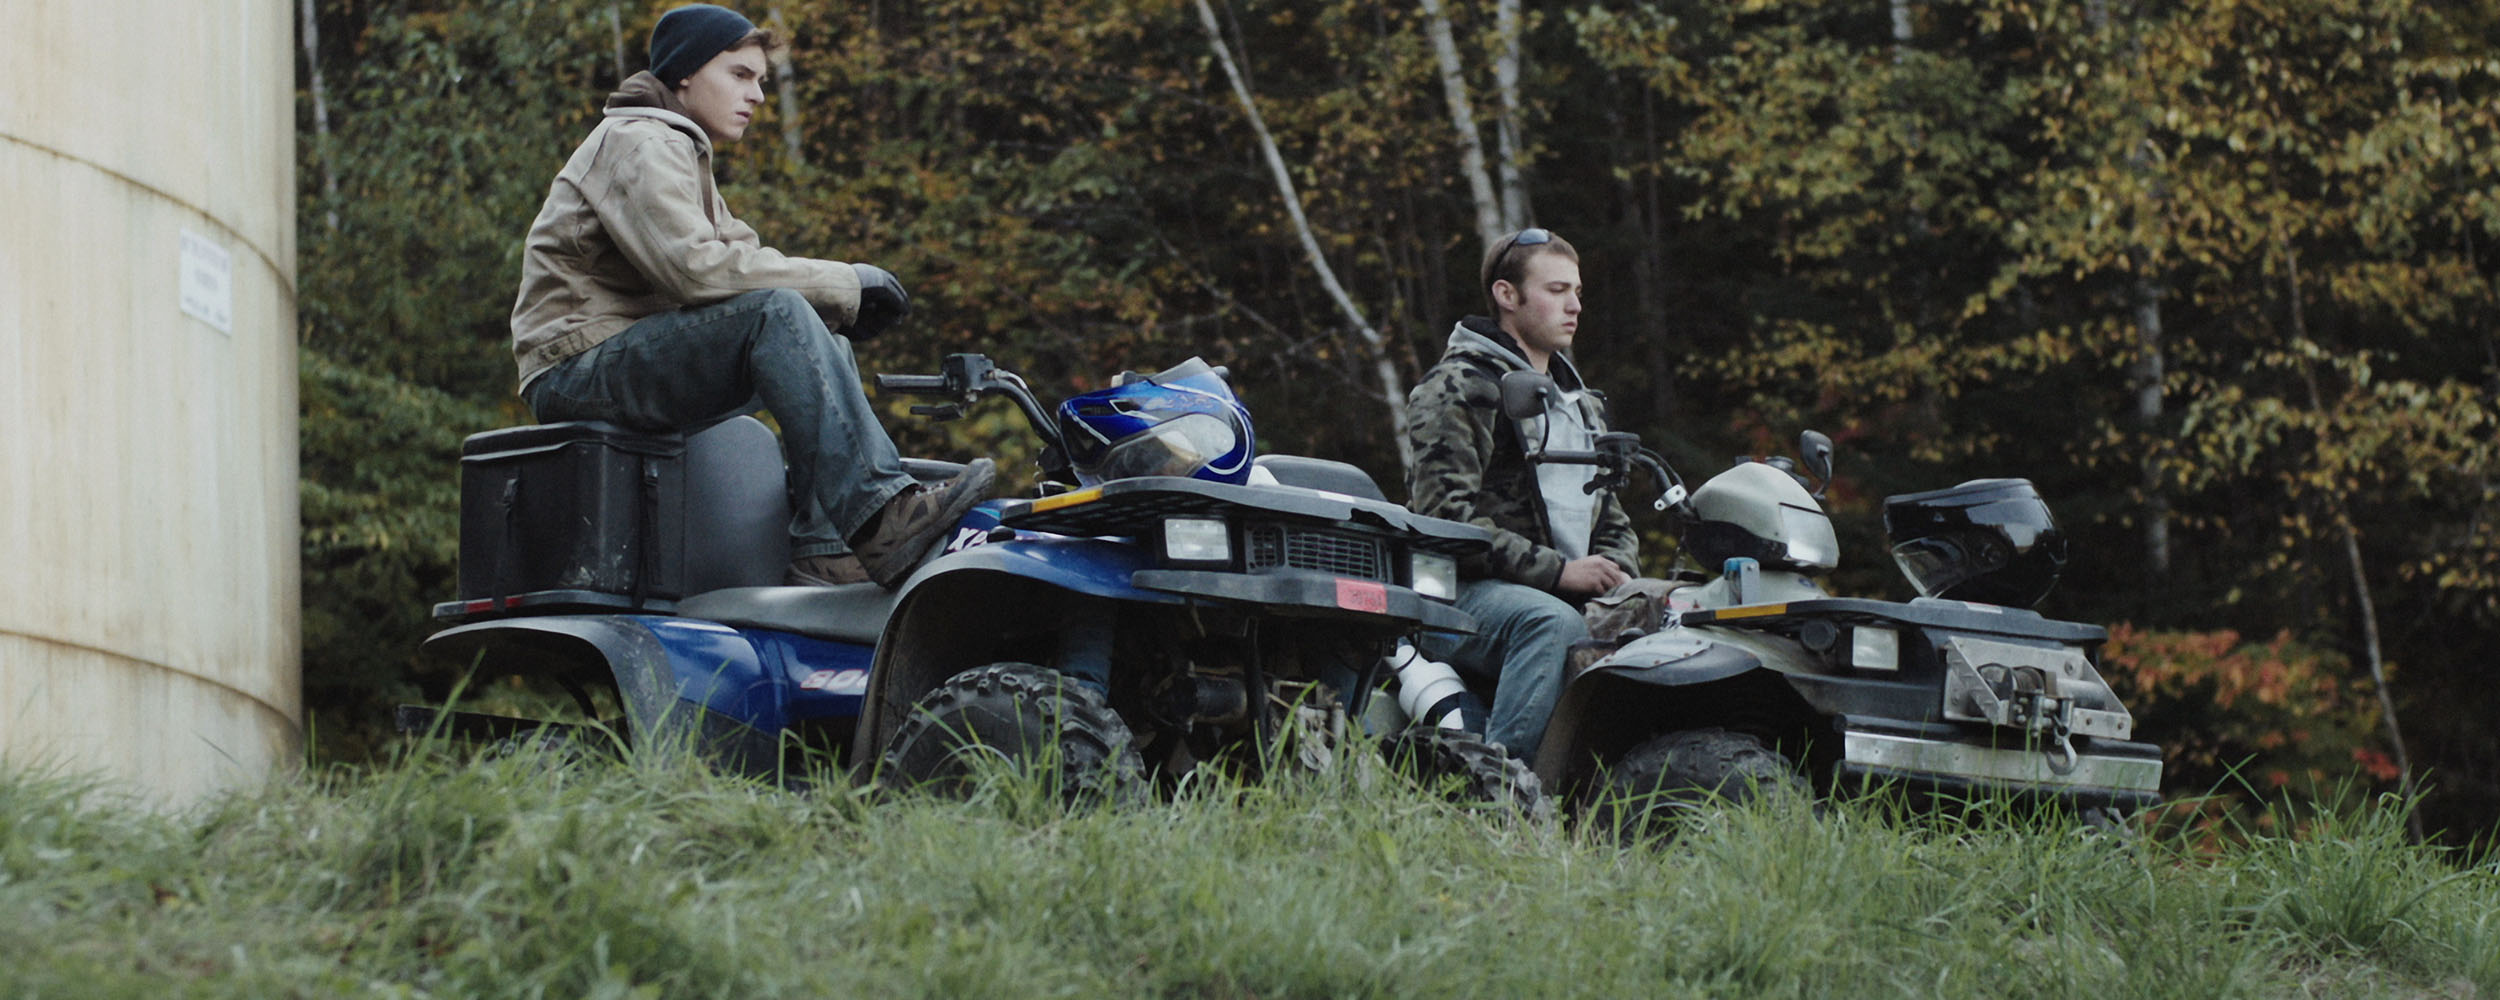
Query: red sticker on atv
point(1362, 595)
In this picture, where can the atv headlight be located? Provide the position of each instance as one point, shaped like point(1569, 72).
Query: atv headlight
point(1197, 540)
point(1434, 575)
point(1873, 648)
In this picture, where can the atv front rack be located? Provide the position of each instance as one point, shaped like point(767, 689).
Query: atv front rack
point(1127, 506)
point(1924, 612)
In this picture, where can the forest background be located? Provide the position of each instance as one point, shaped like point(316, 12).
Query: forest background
point(2218, 276)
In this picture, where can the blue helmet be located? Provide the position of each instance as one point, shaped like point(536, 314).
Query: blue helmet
point(1183, 421)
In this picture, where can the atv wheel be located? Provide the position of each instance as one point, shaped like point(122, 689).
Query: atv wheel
point(1679, 773)
point(1466, 769)
point(1019, 716)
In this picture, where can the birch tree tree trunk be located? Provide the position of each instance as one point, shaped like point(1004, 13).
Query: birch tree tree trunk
point(2145, 311)
point(616, 40)
point(1392, 386)
point(311, 34)
point(793, 128)
point(1492, 223)
point(2149, 373)
point(1506, 25)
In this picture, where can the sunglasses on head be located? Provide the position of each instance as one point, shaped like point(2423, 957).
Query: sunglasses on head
point(1526, 238)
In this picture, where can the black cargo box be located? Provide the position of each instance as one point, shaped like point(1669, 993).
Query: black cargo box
point(581, 514)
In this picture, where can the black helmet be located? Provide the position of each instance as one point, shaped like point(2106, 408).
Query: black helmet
point(1988, 541)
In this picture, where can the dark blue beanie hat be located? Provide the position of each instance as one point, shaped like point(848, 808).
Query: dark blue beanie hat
point(688, 37)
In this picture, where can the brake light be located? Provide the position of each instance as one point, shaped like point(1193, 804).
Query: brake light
point(493, 604)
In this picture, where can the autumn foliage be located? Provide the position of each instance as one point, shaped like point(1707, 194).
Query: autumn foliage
point(2218, 277)
point(2276, 712)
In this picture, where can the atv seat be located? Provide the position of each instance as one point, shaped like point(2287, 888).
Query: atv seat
point(1323, 474)
point(738, 508)
point(738, 517)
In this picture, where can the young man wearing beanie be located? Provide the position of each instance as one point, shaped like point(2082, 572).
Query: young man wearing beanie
point(644, 302)
point(1555, 544)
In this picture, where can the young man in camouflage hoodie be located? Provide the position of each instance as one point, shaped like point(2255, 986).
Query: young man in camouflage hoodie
point(1555, 545)
point(644, 302)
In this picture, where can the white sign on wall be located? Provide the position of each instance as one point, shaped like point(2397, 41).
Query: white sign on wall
point(207, 281)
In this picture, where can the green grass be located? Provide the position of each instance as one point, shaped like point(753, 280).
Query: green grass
point(433, 877)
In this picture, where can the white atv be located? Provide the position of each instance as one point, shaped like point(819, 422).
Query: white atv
point(1757, 679)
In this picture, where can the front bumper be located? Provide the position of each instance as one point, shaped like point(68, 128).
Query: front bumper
point(1304, 593)
point(2103, 774)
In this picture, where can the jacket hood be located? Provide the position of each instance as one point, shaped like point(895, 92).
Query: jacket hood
point(642, 95)
point(1481, 337)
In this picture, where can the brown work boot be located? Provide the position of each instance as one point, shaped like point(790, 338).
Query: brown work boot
point(824, 571)
point(894, 540)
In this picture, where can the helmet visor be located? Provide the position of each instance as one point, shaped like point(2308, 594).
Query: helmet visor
point(1932, 564)
point(1809, 539)
point(1176, 447)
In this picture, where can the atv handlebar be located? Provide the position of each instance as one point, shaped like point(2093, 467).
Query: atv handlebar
point(965, 378)
point(1616, 454)
point(916, 385)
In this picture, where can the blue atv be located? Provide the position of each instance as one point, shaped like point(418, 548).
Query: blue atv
point(1165, 602)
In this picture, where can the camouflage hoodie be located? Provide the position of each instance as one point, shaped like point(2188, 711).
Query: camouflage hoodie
point(1469, 467)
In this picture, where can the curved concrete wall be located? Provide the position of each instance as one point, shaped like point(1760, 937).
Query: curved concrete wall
point(149, 605)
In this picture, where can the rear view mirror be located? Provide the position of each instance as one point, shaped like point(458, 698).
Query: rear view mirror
point(1525, 396)
point(1816, 449)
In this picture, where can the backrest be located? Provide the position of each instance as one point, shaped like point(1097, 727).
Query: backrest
point(737, 507)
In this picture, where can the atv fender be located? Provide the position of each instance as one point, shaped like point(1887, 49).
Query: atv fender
point(1090, 566)
point(951, 614)
point(681, 682)
point(1676, 657)
point(1632, 693)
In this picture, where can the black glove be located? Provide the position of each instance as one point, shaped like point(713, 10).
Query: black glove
point(882, 302)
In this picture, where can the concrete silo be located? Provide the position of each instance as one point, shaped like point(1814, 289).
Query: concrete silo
point(149, 569)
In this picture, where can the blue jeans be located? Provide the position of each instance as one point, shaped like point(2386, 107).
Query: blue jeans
point(1523, 636)
point(702, 363)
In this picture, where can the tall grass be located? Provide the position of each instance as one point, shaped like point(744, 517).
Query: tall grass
point(528, 877)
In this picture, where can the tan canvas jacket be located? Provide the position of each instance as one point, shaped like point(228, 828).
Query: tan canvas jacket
point(634, 226)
